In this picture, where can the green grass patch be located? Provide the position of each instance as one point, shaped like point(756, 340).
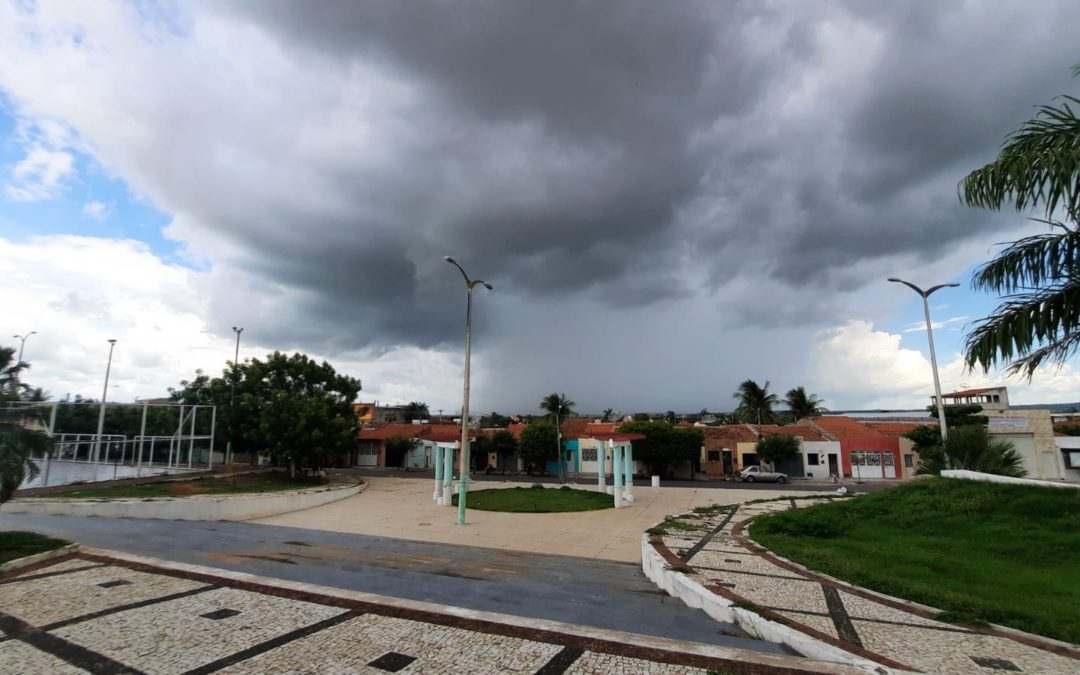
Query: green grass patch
point(246, 483)
point(537, 500)
point(981, 552)
point(15, 545)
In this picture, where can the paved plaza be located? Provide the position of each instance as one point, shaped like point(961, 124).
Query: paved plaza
point(98, 612)
point(894, 633)
point(402, 507)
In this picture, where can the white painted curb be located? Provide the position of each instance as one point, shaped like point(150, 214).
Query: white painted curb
point(683, 587)
point(196, 507)
point(992, 478)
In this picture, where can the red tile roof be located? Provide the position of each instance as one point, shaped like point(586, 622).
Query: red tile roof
point(728, 433)
point(898, 429)
point(804, 432)
point(843, 427)
point(516, 429)
point(616, 436)
point(601, 427)
point(444, 433)
point(574, 427)
point(381, 432)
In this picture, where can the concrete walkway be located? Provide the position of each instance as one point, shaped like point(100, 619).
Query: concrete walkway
point(402, 508)
point(892, 632)
point(103, 612)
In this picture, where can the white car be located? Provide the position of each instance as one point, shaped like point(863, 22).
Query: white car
point(754, 473)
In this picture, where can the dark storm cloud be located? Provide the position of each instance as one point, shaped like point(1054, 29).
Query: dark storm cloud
point(581, 149)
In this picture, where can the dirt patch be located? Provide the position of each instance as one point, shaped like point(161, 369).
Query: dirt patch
point(185, 489)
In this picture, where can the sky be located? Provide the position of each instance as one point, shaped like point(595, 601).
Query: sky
point(668, 198)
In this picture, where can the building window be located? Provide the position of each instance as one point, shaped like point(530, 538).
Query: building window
point(909, 461)
point(714, 455)
point(812, 460)
point(588, 455)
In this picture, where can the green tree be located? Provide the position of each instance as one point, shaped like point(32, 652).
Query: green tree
point(1039, 320)
point(417, 410)
point(801, 404)
point(670, 417)
point(559, 407)
point(642, 417)
point(297, 410)
point(398, 447)
point(502, 443)
point(664, 443)
point(755, 403)
point(973, 448)
point(494, 420)
point(777, 447)
point(924, 436)
point(538, 443)
point(22, 432)
point(608, 412)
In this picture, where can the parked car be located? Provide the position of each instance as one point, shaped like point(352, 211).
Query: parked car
point(753, 473)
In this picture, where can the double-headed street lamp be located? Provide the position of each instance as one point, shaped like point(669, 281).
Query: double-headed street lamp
point(463, 484)
point(104, 394)
point(232, 396)
point(930, 336)
point(22, 344)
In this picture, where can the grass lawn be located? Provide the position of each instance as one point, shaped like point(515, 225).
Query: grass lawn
point(258, 482)
point(15, 545)
point(1004, 554)
point(537, 500)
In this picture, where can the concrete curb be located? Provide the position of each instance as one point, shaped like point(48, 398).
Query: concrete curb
point(683, 587)
point(19, 563)
point(1009, 480)
point(196, 507)
point(766, 662)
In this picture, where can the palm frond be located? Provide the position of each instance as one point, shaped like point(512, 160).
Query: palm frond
point(1032, 261)
point(1039, 165)
point(1028, 330)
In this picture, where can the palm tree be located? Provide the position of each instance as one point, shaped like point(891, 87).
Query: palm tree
point(801, 404)
point(20, 433)
point(417, 410)
point(755, 403)
point(607, 413)
point(559, 407)
point(1039, 320)
point(972, 447)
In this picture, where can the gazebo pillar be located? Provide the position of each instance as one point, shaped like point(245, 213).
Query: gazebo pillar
point(601, 466)
point(617, 476)
point(448, 477)
point(436, 456)
point(628, 466)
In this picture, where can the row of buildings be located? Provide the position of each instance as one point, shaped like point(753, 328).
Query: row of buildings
point(830, 445)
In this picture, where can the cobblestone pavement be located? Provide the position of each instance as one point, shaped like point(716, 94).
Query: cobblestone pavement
point(117, 614)
point(891, 632)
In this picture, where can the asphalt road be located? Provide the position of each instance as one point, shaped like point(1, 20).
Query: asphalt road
point(794, 485)
point(596, 593)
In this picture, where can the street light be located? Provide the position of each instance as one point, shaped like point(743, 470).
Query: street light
point(232, 396)
point(104, 394)
point(463, 483)
point(22, 343)
point(930, 336)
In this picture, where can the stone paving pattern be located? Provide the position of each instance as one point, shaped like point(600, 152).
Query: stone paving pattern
point(728, 563)
point(94, 615)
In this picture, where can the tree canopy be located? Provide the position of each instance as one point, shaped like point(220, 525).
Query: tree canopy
point(21, 430)
point(755, 403)
point(665, 443)
point(538, 440)
point(777, 447)
point(802, 404)
point(294, 409)
point(1038, 168)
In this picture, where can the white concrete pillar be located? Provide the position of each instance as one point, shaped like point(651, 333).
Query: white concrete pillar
point(628, 491)
point(617, 476)
point(436, 454)
point(601, 466)
point(448, 477)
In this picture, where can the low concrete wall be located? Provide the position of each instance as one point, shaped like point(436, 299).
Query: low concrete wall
point(685, 588)
point(991, 478)
point(198, 507)
point(65, 472)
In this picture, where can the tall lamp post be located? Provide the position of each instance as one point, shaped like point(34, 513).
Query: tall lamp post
point(232, 396)
point(463, 483)
point(22, 344)
point(930, 336)
point(104, 394)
